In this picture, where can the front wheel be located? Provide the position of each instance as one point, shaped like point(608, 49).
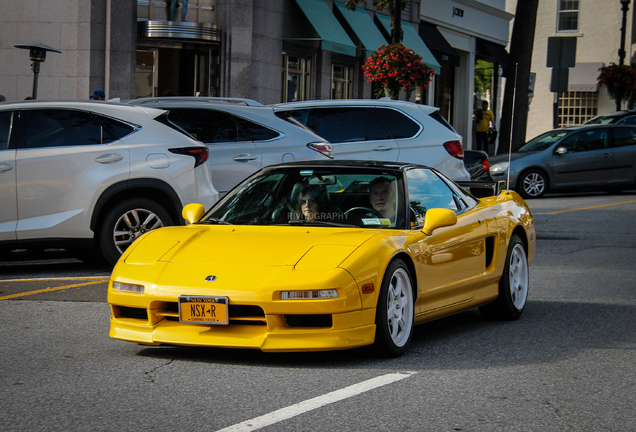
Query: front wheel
point(395, 311)
point(513, 286)
point(127, 221)
point(532, 184)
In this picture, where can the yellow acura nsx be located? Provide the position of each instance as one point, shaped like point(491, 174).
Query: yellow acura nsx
point(323, 256)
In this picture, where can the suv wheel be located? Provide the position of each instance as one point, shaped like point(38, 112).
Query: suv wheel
point(127, 221)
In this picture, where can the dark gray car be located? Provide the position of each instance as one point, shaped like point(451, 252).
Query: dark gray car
point(574, 158)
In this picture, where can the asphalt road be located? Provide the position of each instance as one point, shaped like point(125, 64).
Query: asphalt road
point(566, 365)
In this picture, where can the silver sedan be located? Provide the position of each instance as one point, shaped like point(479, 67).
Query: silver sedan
point(574, 158)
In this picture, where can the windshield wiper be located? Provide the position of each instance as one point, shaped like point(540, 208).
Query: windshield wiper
point(214, 221)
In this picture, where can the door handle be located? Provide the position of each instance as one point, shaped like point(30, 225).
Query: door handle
point(382, 148)
point(109, 158)
point(244, 158)
point(606, 155)
point(5, 167)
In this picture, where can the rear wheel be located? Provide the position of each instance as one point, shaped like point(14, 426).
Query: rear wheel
point(532, 184)
point(127, 221)
point(513, 286)
point(395, 311)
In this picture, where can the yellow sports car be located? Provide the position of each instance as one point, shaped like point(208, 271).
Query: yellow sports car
point(322, 256)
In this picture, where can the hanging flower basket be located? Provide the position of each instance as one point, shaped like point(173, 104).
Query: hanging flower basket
point(396, 68)
point(620, 81)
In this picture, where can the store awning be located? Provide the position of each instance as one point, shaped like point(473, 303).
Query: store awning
point(362, 25)
point(583, 76)
point(437, 43)
point(496, 52)
point(332, 35)
point(412, 40)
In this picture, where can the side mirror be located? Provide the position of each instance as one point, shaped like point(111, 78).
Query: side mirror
point(561, 150)
point(438, 218)
point(193, 212)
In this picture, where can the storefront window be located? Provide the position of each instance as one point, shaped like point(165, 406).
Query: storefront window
point(341, 82)
point(296, 78)
point(577, 107)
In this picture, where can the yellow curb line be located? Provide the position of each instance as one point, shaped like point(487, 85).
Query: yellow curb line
point(54, 279)
point(49, 290)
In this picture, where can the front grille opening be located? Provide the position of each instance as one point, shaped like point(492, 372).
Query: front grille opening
point(131, 312)
point(309, 320)
point(246, 311)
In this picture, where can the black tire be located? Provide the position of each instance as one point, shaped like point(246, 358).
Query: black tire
point(126, 221)
point(395, 312)
point(532, 184)
point(513, 286)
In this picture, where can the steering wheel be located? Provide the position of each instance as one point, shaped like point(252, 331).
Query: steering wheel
point(367, 210)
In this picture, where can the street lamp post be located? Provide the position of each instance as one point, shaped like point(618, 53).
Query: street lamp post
point(37, 54)
point(621, 52)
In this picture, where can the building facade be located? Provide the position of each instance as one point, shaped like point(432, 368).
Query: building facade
point(270, 51)
point(596, 27)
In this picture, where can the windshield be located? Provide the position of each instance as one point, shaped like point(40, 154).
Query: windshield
point(544, 141)
point(322, 196)
point(607, 119)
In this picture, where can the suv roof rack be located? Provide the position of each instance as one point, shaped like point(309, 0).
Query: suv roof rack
point(248, 102)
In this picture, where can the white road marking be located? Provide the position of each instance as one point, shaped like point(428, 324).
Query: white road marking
point(317, 402)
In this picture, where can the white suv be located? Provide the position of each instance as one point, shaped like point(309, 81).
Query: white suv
point(384, 130)
point(93, 175)
point(243, 135)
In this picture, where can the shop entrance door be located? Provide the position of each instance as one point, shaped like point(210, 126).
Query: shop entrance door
point(184, 71)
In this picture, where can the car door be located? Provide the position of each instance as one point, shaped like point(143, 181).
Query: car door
point(624, 155)
point(233, 156)
point(8, 206)
point(453, 259)
point(67, 157)
point(355, 133)
point(587, 162)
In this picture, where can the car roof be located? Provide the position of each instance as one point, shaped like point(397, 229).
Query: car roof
point(355, 102)
point(194, 99)
point(105, 107)
point(396, 166)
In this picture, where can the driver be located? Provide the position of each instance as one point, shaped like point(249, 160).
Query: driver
point(382, 197)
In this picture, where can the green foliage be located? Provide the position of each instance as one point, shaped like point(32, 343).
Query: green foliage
point(483, 79)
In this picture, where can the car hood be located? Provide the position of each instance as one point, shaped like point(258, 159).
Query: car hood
point(262, 246)
point(513, 156)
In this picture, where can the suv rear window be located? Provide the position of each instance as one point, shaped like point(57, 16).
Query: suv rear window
point(400, 125)
point(57, 128)
point(437, 116)
point(206, 125)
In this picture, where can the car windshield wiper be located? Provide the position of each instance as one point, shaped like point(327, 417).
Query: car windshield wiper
point(320, 223)
point(214, 221)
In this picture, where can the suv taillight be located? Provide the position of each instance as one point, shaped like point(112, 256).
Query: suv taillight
point(200, 154)
point(454, 148)
point(323, 148)
point(486, 165)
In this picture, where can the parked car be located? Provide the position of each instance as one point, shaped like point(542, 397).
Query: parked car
point(620, 117)
point(582, 157)
point(477, 164)
point(93, 176)
point(348, 253)
point(242, 135)
point(384, 130)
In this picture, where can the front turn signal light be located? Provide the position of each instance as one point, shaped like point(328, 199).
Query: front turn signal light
point(126, 287)
point(309, 295)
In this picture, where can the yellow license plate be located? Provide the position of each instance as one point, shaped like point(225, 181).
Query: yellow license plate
point(203, 310)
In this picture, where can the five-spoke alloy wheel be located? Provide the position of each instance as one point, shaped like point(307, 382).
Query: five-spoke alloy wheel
point(395, 312)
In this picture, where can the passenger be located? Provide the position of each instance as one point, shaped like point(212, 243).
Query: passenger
point(313, 203)
point(382, 197)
